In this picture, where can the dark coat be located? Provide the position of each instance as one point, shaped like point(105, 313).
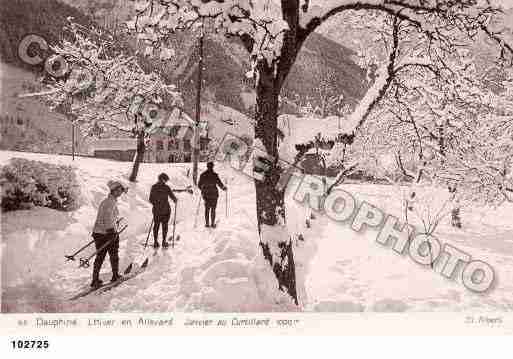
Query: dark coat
point(158, 198)
point(208, 182)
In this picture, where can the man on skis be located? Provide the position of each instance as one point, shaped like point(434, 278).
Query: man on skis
point(105, 233)
point(159, 194)
point(208, 182)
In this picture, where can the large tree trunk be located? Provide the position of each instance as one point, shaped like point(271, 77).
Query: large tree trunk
point(139, 156)
point(270, 201)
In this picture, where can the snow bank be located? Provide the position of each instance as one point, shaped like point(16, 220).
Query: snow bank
point(222, 270)
point(352, 272)
point(300, 130)
point(208, 270)
point(222, 120)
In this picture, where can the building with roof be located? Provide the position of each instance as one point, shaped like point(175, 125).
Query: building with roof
point(170, 140)
point(174, 144)
point(118, 149)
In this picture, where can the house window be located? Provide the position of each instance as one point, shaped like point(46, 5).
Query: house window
point(173, 131)
point(160, 145)
point(161, 159)
point(187, 145)
point(172, 145)
point(203, 145)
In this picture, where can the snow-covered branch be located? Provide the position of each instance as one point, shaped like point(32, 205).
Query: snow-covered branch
point(376, 92)
point(104, 88)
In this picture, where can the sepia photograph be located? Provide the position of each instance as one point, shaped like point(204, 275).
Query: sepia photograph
point(256, 156)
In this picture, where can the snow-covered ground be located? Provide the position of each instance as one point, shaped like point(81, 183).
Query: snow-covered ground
point(207, 270)
point(222, 269)
point(353, 272)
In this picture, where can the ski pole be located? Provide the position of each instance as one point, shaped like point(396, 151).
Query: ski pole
point(226, 203)
point(84, 262)
point(197, 211)
point(145, 263)
point(174, 226)
point(71, 257)
point(187, 189)
point(148, 236)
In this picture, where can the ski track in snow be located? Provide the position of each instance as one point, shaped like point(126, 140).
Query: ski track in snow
point(221, 269)
point(209, 269)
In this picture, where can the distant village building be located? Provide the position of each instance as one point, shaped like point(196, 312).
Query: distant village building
point(13, 125)
point(118, 149)
point(169, 143)
point(174, 144)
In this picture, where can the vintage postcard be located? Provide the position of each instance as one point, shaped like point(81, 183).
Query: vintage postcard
point(279, 166)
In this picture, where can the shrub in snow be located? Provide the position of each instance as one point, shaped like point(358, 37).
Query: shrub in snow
point(26, 183)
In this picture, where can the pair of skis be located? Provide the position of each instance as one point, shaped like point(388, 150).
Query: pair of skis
point(129, 273)
point(84, 262)
point(174, 231)
point(216, 224)
point(166, 245)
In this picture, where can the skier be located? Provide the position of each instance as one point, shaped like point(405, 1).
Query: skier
point(208, 182)
point(105, 233)
point(159, 193)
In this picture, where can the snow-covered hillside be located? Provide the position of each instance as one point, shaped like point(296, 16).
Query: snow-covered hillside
point(222, 269)
point(16, 81)
point(222, 120)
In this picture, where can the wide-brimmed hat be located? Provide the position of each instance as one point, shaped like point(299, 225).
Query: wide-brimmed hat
point(116, 184)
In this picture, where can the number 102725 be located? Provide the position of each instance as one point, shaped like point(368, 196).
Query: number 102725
point(30, 344)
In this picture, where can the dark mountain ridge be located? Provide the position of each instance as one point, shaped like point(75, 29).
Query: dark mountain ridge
point(226, 62)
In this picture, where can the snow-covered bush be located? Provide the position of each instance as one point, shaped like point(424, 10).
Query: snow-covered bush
point(26, 182)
